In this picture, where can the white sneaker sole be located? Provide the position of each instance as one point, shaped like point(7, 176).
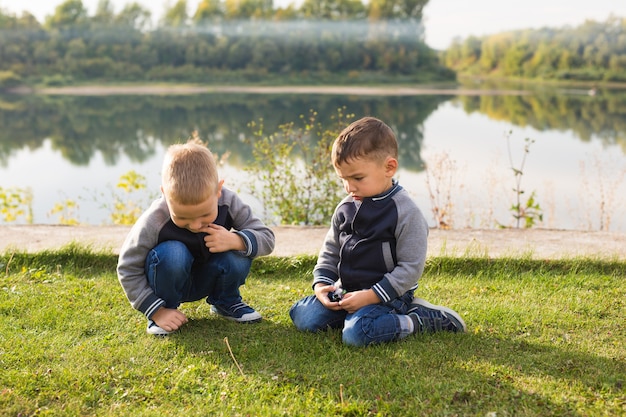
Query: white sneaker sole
point(245, 319)
point(156, 330)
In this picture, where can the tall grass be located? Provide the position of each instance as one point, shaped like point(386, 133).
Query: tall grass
point(544, 338)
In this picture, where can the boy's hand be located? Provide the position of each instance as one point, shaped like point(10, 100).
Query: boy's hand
point(169, 319)
point(352, 301)
point(219, 239)
point(321, 292)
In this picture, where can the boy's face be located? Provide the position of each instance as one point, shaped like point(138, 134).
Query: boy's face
point(195, 218)
point(364, 177)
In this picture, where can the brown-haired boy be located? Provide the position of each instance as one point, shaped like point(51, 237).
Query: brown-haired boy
point(375, 250)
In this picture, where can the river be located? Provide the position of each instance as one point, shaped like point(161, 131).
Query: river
point(457, 150)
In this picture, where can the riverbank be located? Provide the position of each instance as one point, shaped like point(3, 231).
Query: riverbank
point(294, 240)
point(184, 89)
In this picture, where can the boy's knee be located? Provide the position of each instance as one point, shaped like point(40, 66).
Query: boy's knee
point(167, 257)
point(358, 331)
point(173, 250)
point(303, 318)
point(232, 263)
point(354, 336)
point(299, 321)
point(302, 326)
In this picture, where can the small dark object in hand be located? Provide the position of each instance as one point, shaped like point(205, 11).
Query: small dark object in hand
point(336, 295)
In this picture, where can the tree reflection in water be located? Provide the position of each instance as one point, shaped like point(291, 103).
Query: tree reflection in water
point(101, 137)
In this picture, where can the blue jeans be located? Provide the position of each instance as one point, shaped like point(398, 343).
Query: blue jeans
point(375, 323)
point(175, 279)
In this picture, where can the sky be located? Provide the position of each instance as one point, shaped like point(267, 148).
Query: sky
point(444, 19)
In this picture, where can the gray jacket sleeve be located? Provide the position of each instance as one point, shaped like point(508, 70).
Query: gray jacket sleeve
point(258, 238)
point(142, 237)
point(411, 249)
point(326, 269)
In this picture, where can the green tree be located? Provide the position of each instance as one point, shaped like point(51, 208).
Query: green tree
point(332, 9)
point(69, 14)
point(267, 55)
point(586, 52)
point(248, 9)
point(134, 16)
point(105, 14)
point(396, 9)
point(208, 10)
point(76, 50)
point(286, 13)
point(514, 58)
point(239, 54)
point(199, 53)
point(176, 15)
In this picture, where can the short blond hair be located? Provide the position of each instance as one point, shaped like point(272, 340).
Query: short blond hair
point(189, 174)
point(368, 138)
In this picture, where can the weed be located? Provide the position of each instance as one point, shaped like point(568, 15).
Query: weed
point(67, 212)
point(16, 203)
point(440, 176)
point(127, 200)
point(529, 211)
point(610, 178)
point(291, 173)
point(125, 209)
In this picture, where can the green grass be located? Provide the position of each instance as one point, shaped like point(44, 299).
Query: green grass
point(544, 338)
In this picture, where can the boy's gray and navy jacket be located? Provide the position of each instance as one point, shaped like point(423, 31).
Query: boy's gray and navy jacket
point(379, 244)
point(155, 226)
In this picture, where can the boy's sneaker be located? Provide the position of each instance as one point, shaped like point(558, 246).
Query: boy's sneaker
point(239, 312)
point(431, 318)
point(154, 329)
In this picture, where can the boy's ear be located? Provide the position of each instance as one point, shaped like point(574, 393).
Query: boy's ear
point(219, 188)
point(391, 166)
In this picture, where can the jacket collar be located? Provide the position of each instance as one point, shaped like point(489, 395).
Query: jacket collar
point(395, 187)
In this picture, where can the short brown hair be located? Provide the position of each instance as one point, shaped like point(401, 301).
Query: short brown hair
point(189, 174)
point(368, 138)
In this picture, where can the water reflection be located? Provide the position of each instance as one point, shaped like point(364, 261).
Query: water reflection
point(601, 115)
point(69, 146)
point(80, 126)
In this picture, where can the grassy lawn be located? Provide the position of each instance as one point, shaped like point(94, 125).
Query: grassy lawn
point(544, 338)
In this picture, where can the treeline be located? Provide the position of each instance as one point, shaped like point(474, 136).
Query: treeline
point(248, 38)
point(592, 51)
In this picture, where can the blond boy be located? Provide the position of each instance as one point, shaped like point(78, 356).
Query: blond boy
point(196, 241)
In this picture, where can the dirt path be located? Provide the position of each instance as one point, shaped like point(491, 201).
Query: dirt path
point(536, 243)
point(156, 89)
